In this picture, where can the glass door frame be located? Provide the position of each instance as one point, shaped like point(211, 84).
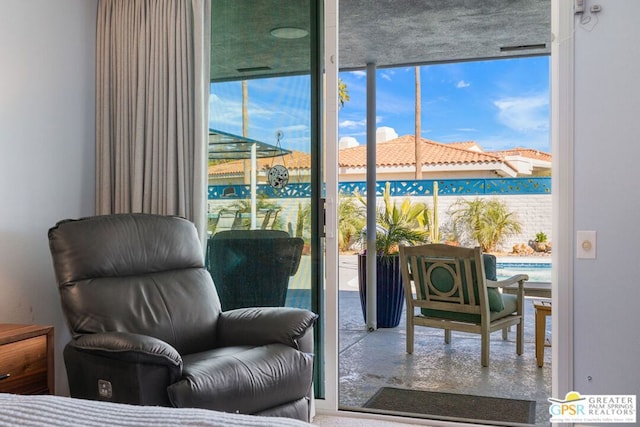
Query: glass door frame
point(330, 145)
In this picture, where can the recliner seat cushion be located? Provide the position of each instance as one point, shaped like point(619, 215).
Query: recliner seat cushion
point(246, 380)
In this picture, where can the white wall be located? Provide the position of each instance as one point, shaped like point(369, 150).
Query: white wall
point(47, 126)
point(606, 199)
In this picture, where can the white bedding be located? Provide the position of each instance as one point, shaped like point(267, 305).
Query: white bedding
point(41, 411)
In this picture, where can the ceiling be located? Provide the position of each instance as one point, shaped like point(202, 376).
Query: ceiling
point(387, 33)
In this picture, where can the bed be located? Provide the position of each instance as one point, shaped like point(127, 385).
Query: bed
point(45, 410)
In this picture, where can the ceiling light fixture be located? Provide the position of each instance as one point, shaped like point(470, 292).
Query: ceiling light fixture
point(289, 33)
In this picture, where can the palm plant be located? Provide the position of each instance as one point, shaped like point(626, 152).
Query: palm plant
point(399, 223)
point(343, 93)
point(486, 221)
point(262, 203)
point(350, 221)
point(396, 224)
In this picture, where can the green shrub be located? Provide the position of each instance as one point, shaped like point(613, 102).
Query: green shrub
point(398, 224)
point(351, 220)
point(487, 221)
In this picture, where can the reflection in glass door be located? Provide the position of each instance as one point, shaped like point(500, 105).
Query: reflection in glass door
point(264, 133)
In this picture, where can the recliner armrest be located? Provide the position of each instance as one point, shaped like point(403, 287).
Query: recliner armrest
point(129, 347)
point(265, 325)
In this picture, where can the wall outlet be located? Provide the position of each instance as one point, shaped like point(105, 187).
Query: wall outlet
point(104, 389)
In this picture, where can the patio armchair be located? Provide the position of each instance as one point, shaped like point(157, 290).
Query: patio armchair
point(227, 220)
point(455, 289)
point(270, 219)
point(147, 327)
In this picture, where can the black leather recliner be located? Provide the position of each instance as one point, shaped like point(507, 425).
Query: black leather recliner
point(147, 327)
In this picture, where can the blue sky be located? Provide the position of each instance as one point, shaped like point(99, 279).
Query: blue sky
point(500, 104)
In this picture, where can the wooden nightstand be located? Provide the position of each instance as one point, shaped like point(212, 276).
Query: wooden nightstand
point(26, 359)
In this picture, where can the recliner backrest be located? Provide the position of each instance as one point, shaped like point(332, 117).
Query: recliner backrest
point(135, 273)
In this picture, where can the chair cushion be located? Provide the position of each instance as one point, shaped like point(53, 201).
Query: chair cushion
point(509, 304)
point(443, 281)
point(490, 272)
point(240, 379)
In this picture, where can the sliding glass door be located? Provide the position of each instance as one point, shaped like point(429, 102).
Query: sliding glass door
point(264, 133)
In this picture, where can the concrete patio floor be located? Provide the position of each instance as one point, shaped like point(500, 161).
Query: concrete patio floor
point(370, 360)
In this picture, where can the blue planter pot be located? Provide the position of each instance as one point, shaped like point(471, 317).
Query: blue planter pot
point(390, 294)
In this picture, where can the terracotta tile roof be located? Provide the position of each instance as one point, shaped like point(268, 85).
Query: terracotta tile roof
point(294, 160)
point(396, 152)
point(467, 145)
point(401, 152)
point(526, 152)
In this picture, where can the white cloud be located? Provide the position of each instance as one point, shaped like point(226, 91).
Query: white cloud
point(538, 141)
point(360, 74)
point(352, 124)
point(462, 84)
point(356, 124)
point(467, 130)
point(225, 112)
point(295, 128)
point(387, 74)
point(524, 114)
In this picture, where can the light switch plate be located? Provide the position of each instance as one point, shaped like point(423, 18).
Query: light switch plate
point(586, 244)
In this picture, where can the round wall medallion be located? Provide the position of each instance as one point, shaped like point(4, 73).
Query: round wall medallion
point(278, 176)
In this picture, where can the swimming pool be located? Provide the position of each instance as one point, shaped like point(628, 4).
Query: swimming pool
point(538, 270)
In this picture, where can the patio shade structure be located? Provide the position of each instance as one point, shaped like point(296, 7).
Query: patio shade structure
point(227, 146)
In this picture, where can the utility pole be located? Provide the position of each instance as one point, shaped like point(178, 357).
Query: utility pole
point(418, 140)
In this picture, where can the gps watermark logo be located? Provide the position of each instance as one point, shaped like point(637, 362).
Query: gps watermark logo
point(576, 408)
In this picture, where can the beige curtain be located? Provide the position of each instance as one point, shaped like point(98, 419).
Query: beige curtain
point(152, 107)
